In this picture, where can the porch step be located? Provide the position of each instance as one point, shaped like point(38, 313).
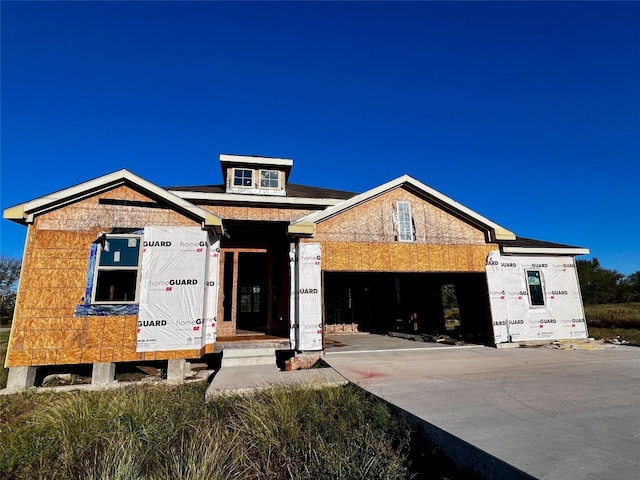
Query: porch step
point(238, 357)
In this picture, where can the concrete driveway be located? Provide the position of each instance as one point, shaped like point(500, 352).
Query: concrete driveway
point(551, 413)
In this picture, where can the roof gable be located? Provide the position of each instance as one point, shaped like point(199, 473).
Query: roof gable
point(306, 225)
point(24, 213)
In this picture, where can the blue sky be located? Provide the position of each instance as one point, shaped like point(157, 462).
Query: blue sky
point(528, 113)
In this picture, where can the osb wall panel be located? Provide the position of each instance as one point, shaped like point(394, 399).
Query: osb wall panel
point(258, 213)
point(88, 214)
point(396, 257)
point(373, 222)
point(45, 331)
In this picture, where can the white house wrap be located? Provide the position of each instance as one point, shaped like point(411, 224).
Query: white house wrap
point(310, 297)
point(172, 289)
point(534, 298)
point(211, 292)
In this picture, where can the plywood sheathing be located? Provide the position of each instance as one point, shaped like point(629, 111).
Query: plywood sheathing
point(45, 331)
point(372, 222)
point(88, 214)
point(362, 239)
point(258, 213)
point(381, 257)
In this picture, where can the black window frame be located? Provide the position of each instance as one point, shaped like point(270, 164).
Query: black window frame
point(110, 242)
point(537, 294)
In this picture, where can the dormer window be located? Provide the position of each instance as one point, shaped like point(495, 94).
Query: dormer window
point(242, 178)
point(269, 179)
point(247, 175)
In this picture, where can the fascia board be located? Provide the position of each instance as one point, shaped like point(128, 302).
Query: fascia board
point(80, 190)
point(353, 201)
point(106, 182)
point(265, 161)
point(302, 228)
point(240, 198)
point(546, 251)
point(500, 233)
point(15, 213)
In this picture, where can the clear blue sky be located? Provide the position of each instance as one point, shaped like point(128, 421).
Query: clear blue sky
point(528, 113)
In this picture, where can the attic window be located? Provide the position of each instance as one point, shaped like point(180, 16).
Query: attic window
point(405, 224)
point(118, 270)
point(269, 178)
point(242, 177)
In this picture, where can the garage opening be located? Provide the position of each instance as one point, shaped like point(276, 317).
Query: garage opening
point(453, 304)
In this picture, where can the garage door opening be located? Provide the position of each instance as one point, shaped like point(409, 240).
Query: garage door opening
point(453, 304)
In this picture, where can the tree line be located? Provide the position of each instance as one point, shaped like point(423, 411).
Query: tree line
point(601, 285)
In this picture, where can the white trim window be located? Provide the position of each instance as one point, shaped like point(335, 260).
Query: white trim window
point(536, 288)
point(117, 273)
point(242, 177)
point(405, 224)
point(269, 179)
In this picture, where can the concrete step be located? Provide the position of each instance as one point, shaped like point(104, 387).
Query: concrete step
point(238, 357)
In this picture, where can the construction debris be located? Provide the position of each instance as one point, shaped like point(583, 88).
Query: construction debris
point(154, 372)
point(616, 340)
point(424, 337)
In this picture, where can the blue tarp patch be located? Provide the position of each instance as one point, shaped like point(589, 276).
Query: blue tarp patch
point(86, 310)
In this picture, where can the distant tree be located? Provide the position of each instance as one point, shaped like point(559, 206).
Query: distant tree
point(631, 285)
point(599, 285)
point(9, 275)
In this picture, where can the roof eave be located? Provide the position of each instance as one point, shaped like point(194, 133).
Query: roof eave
point(546, 250)
point(25, 212)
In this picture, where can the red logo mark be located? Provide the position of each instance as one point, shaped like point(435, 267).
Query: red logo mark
point(169, 289)
point(199, 250)
point(520, 297)
point(138, 330)
point(501, 297)
point(541, 326)
point(196, 328)
point(573, 324)
point(319, 331)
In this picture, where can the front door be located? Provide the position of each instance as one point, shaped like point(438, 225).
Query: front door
point(253, 292)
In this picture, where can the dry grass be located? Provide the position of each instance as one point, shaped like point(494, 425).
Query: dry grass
point(166, 432)
point(613, 315)
point(614, 320)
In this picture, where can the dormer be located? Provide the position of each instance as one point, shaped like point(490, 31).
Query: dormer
point(255, 175)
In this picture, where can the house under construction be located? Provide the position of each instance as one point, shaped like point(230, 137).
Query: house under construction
point(118, 269)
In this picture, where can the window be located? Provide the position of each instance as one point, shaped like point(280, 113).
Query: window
point(242, 177)
point(536, 292)
point(269, 178)
point(250, 299)
point(405, 224)
point(118, 270)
